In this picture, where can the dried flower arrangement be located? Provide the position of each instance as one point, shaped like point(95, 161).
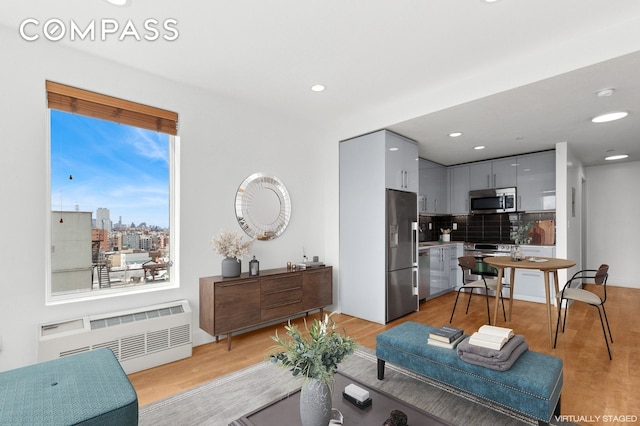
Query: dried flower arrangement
point(230, 244)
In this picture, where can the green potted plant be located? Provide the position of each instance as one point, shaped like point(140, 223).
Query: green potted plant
point(313, 355)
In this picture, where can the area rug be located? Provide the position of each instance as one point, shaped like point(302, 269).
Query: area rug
point(223, 400)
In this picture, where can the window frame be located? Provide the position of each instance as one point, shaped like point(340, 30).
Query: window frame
point(174, 231)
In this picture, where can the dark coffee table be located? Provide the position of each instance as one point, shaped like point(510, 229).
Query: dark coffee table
point(286, 411)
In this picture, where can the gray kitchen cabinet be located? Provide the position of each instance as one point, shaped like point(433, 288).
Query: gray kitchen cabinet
point(529, 283)
point(493, 174)
point(455, 273)
point(432, 188)
point(536, 181)
point(439, 270)
point(401, 162)
point(458, 179)
point(367, 170)
point(444, 273)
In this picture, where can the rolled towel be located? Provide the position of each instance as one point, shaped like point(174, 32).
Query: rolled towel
point(492, 363)
point(499, 355)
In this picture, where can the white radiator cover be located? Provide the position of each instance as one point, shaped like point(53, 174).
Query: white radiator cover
point(140, 338)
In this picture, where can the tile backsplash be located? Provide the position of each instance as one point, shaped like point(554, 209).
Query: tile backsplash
point(490, 228)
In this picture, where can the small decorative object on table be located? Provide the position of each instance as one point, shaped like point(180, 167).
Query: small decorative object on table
point(446, 235)
point(357, 396)
point(398, 418)
point(231, 245)
point(313, 356)
point(516, 253)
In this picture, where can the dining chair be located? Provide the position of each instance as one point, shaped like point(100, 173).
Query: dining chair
point(468, 263)
point(573, 294)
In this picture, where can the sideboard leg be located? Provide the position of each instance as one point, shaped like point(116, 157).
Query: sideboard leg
point(229, 341)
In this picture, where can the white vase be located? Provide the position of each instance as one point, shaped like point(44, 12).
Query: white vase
point(315, 403)
point(446, 237)
point(231, 267)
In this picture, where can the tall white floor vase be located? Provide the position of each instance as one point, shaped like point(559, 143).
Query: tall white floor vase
point(315, 403)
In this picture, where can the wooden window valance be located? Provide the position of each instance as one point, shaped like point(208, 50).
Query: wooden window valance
point(79, 101)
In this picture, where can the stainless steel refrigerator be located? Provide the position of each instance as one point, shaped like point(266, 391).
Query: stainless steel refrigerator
point(401, 253)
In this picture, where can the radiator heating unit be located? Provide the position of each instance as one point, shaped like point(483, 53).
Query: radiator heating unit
point(140, 338)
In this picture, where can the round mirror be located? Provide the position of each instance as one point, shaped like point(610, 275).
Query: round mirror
point(263, 206)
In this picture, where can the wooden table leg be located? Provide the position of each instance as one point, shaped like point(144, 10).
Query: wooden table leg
point(513, 280)
point(547, 290)
point(498, 292)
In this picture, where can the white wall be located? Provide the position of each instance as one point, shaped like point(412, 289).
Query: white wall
point(222, 142)
point(613, 202)
point(569, 177)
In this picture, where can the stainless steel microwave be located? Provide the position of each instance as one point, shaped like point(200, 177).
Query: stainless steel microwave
point(502, 200)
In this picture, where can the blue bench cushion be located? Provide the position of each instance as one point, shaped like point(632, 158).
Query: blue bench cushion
point(89, 388)
point(531, 386)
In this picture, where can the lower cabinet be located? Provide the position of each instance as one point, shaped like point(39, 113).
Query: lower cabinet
point(442, 273)
point(233, 304)
point(529, 283)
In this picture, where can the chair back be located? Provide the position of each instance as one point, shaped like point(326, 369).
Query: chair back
point(602, 274)
point(467, 262)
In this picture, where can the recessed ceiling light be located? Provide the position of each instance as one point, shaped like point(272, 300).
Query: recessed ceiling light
point(318, 88)
point(616, 157)
point(393, 148)
point(455, 134)
point(604, 93)
point(118, 2)
point(479, 147)
point(612, 116)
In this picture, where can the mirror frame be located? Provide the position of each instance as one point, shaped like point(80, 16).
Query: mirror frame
point(245, 204)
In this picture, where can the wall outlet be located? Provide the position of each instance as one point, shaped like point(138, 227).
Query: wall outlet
point(455, 226)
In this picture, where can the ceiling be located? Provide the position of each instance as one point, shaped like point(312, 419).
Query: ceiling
point(511, 75)
point(536, 116)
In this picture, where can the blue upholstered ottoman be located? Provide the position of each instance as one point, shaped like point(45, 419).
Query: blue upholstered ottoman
point(531, 386)
point(88, 388)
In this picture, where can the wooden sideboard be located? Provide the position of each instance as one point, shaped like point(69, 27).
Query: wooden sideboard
point(233, 304)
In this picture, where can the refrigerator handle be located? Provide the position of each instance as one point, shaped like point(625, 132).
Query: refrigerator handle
point(416, 284)
point(414, 242)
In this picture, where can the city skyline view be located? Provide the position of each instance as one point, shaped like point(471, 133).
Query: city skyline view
point(103, 164)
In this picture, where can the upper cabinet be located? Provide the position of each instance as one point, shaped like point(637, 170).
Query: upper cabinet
point(493, 174)
point(401, 163)
point(458, 189)
point(537, 181)
point(432, 188)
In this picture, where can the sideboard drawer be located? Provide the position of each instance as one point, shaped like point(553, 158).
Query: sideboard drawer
point(282, 283)
point(281, 305)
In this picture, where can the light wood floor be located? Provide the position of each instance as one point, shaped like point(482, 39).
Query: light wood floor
point(593, 385)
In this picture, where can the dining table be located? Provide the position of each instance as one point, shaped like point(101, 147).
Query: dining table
point(549, 267)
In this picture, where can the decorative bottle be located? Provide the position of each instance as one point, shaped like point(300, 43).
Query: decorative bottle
point(254, 267)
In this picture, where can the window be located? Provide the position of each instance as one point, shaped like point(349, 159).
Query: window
point(113, 192)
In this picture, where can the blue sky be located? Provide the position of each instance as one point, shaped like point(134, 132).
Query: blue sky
point(122, 168)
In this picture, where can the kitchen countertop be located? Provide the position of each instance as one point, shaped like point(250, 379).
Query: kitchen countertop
point(427, 244)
